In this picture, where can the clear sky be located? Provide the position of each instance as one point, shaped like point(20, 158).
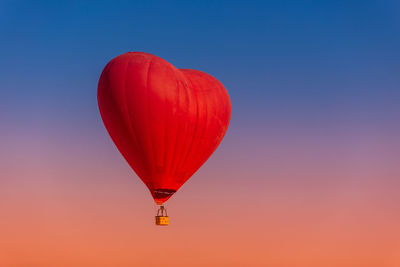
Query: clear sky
point(307, 175)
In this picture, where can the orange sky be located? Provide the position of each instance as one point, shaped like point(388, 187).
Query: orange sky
point(88, 209)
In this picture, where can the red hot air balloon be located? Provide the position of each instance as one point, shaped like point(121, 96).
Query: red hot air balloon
point(165, 121)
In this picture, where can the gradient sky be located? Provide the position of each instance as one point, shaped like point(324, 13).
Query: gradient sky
point(308, 174)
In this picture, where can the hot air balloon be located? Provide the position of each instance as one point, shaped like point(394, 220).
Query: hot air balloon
point(166, 122)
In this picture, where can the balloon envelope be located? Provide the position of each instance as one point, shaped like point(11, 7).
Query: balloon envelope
point(166, 122)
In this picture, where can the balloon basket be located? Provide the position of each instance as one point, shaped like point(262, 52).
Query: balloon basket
point(162, 217)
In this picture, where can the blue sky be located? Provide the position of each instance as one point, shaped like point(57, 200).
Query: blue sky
point(304, 61)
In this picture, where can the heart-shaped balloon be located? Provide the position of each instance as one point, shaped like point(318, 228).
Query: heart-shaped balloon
point(165, 121)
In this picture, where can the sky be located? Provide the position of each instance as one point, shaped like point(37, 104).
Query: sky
point(307, 175)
